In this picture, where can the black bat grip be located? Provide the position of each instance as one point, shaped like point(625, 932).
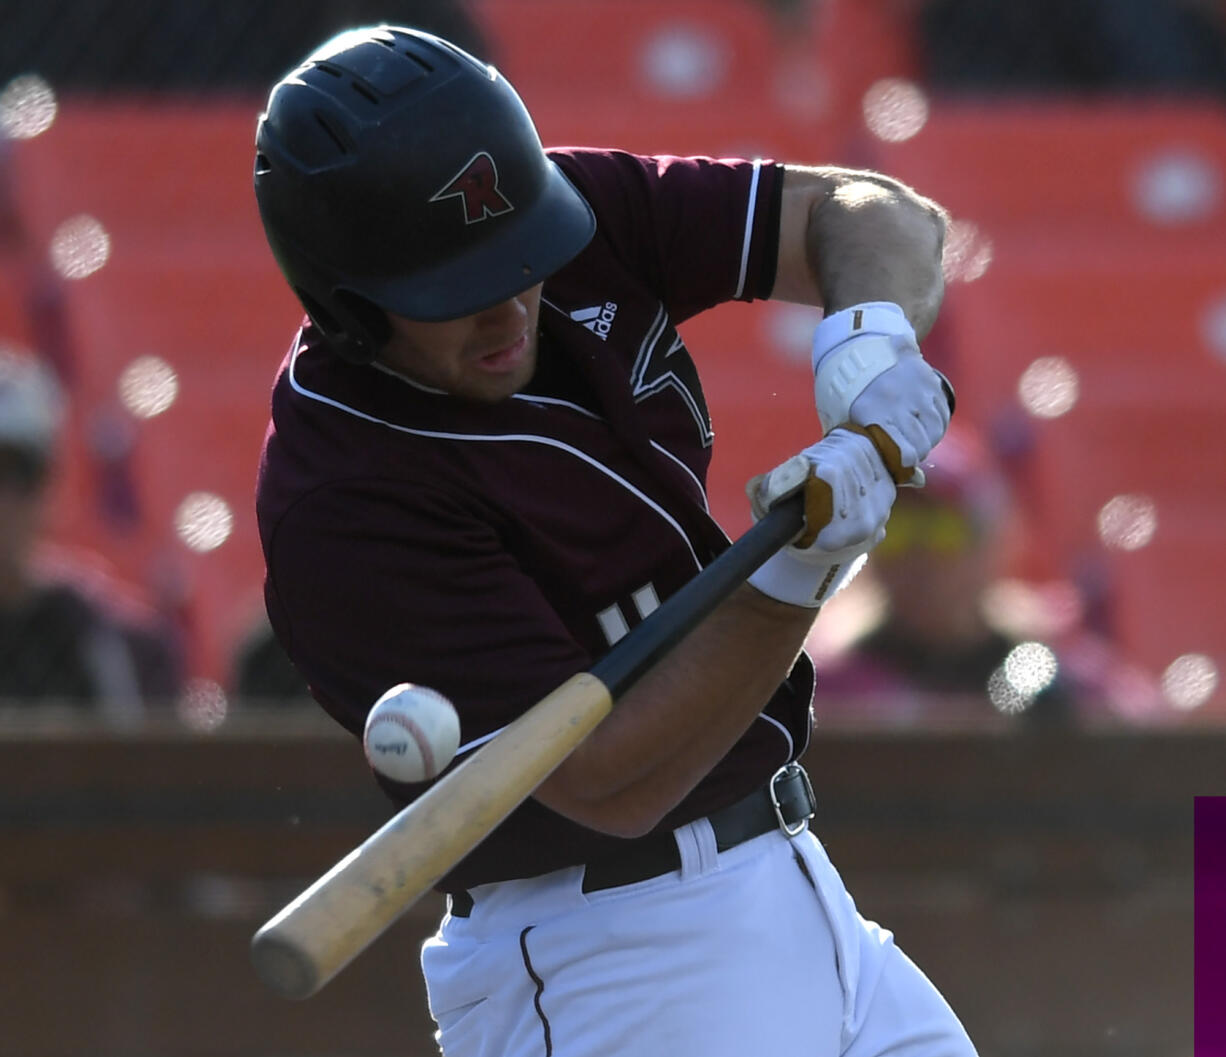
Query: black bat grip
point(662, 630)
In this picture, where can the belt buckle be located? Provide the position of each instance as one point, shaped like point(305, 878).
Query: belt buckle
point(787, 770)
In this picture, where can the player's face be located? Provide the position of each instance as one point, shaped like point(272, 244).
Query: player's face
point(484, 357)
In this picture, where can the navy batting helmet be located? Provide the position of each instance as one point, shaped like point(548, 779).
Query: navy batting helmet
point(396, 172)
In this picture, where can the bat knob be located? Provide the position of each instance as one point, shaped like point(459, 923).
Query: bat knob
point(282, 966)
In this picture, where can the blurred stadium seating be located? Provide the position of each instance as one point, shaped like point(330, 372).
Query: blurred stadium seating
point(187, 280)
point(1087, 235)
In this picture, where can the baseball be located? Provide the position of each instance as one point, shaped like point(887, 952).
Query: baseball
point(411, 734)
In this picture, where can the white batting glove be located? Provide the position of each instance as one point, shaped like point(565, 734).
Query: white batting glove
point(868, 370)
point(848, 496)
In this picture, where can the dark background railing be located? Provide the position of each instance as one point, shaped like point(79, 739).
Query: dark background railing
point(1044, 883)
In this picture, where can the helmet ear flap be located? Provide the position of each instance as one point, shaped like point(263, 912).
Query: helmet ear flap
point(358, 339)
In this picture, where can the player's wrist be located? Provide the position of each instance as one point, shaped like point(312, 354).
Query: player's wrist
point(797, 579)
point(852, 348)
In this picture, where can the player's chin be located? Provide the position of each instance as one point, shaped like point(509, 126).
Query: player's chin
point(498, 377)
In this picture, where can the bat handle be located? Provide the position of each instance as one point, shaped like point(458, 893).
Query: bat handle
point(631, 657)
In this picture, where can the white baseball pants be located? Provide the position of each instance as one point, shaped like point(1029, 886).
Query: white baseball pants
point(757, 950)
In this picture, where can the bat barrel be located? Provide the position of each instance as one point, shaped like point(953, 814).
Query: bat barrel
point(314, 937)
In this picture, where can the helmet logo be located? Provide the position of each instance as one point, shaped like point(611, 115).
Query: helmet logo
point(477, 185)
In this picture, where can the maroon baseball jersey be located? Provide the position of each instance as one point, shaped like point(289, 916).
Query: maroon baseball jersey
point(492, 551)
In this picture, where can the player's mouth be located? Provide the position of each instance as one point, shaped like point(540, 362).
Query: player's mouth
point(508, 358)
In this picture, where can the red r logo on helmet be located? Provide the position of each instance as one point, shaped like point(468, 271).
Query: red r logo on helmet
point(477, 184)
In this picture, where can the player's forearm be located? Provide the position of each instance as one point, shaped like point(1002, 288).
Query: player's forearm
point(859, 236)
point(681, 718)
point(873, 239)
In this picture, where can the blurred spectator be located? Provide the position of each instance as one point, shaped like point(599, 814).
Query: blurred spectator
point(63, 638)
point(948, 642)
point(264, 674)
point(1073, 45)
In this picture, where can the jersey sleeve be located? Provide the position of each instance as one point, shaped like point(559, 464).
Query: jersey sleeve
point(699, 231)
point(387, 587)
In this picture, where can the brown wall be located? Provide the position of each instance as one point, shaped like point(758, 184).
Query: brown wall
point(1043, 882)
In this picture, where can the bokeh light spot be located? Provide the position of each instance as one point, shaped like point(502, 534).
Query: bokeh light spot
point(27, 107)
point(789, 330)
point(967, 253)
point(148, 386)
point(202, 706)
point(1030, 668)
point(1127, 522)
point(1189, 681)
point(1177, 187)
point(79, 247)
point(894, 109)
point(1004, 696)
point(1049, 387)
point(204, 521)
point(1213, 327)
point(684, 61)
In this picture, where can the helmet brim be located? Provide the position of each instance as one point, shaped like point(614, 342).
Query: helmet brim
point(529, 246)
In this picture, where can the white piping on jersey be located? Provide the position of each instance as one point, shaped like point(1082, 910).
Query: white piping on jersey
point(528, 438)
point(534, 399)
point(693, 477)
point(753, 197)
point(643, 358)
point(407, 380)
point(659, 321)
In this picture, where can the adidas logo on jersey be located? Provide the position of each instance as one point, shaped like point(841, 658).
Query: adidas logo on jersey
point(598, 319)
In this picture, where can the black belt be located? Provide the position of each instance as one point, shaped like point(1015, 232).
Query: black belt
point(786, 803)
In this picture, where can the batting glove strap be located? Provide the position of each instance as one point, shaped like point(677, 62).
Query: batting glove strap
point(853, 347)
point(788, 577)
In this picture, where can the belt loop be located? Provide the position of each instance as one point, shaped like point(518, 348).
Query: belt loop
point(792, 771)
point(697, 847)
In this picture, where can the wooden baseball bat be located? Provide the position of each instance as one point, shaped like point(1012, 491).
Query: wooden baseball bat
point(316, 935)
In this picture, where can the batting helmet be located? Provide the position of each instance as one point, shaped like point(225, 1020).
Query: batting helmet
point(396, 172)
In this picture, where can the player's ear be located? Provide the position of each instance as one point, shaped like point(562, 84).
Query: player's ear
point(373, 324)
point(356, 331)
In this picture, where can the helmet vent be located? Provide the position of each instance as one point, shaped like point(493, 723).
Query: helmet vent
point(262, 165)
point(419, 60)
point(364, 92)
point(331, 133)
point(328, 68)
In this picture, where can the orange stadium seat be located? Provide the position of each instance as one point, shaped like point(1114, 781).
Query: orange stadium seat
point(222, 327)
point(1156, 169)
point(162, 178)
point(190, 281)
point(760, 395)
point(692, 52)
point(1162, 605)
point(857, 43)
point(1137, 330)
point(688, 77)
point(14, 317)
point(1129, 310)
point(1077, 273)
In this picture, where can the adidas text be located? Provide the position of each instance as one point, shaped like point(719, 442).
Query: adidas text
point(598, 320)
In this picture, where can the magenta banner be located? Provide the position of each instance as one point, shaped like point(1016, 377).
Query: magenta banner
point(1210, 966)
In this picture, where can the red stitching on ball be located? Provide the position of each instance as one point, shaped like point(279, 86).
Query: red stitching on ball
point(418, 735)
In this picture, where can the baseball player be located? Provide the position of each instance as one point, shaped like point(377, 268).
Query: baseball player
point(486, 463)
